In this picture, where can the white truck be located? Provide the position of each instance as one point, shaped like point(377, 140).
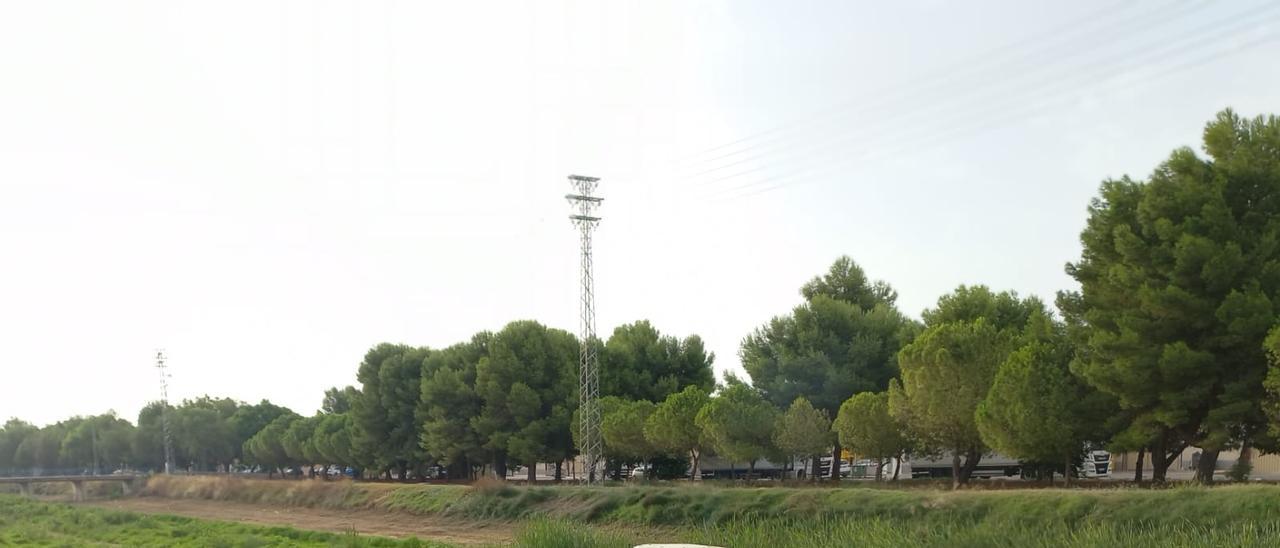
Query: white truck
point(1096, 464)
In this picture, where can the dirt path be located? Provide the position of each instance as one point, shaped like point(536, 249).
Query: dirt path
point(365, 522)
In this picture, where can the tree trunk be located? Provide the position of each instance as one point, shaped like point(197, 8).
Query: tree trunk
point(559, 471)
point(1159, 464)
point(732, 472)
point(879, 470)
point(955, 470)
point(500, 465)
point(1166, 458)
point(533, 473)
point(897, 467)
point(751, 470)
point(1208, 462)
point(1137, 473)
point(696, 470)
point(835, 463)
point(1246, 457)
point(971, 460)
point(815, 468)
point(1066, 471)
point(1157, 461)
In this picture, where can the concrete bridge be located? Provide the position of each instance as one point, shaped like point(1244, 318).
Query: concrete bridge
point(127, 481)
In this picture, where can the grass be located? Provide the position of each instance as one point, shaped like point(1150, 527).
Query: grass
point(26, 522)
point(883, 533)
point(886, 533)
point(547, 533)
point(697, 505)
point(776, 517)
point(31, 523)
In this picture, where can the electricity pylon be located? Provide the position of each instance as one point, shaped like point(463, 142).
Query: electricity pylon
point(589, 438)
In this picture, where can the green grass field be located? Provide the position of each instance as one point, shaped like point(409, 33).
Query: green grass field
point(25, 522)
point(570, 516)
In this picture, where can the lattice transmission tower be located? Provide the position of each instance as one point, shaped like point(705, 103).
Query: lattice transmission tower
point(584, 204)
point(164, 412)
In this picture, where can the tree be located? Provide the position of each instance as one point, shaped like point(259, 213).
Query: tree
point(11, 436)
point(1031, 411)
point(148, 439)
point(339, 400)
point(40, 450)
point(1037, 410)
point(803, 431)
point(386, 426)
point(1271, 383)
point(843, 340)
point(1178, 278)
point(331, 439)
point(528, 386)
point(639, 363)
point(613, 461)
point(266, 448)
point(948, 370)
point(673, 426)
point(739, 423)
point(865, 427)
point(204, 435)
point(98, 443)
point(846, 281)
point(298, 441)
point(623, 431)
point(249, 419)
point(449, 403)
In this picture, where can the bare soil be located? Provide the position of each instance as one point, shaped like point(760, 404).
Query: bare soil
point(364, 522)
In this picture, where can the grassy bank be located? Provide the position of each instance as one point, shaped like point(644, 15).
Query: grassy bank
point(879, 533)
point(700, 506)
point(26, 522)
point(570, 516)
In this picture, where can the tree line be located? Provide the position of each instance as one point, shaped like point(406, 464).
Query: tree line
point(1170, 341)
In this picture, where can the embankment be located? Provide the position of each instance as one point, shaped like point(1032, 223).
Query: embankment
point(700, 505)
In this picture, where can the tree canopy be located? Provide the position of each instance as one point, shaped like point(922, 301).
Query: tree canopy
point(1178, 279)
point(527, 385)
point(449, 402)
point(639, 363)
point(803, 431)
point(865, 427)
point(948, 370)
point(385, 414)
point(673, 427)
point(739, 423)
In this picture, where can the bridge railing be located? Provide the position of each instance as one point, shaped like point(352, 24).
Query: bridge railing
point(42, 472)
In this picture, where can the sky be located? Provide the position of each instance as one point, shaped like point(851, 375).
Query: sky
point(266, 189)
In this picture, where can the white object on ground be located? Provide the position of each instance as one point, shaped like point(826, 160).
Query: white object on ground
point(675, 546)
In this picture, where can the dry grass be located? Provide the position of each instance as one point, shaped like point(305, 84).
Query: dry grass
point(308, 493)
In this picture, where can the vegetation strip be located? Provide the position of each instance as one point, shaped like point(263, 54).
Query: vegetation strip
point(697, 506)
point(27, 522)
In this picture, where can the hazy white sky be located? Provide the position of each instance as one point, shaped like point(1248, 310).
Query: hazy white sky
point(267, 188)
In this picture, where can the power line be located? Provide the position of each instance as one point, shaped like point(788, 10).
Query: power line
point(992, 60)
point(1034, 90)
point(933, 106)
point(937, 138)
